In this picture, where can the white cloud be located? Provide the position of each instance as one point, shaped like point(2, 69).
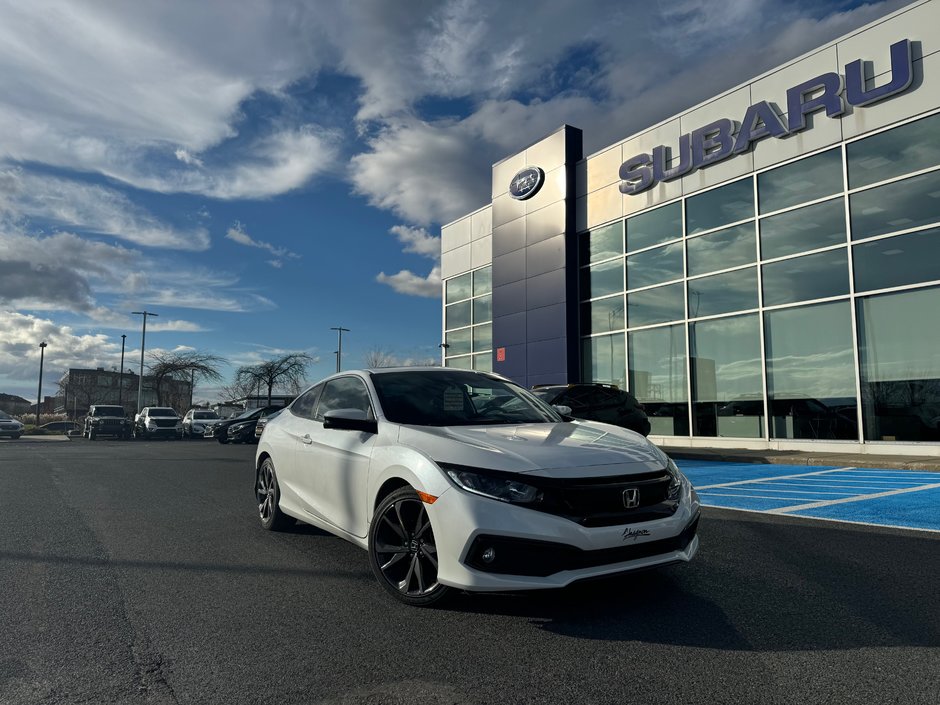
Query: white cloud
point(187, 158)
point(406, 282)
point(418, 241)
point(237, 233)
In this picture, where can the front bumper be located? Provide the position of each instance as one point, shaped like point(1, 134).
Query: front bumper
point(538, 550)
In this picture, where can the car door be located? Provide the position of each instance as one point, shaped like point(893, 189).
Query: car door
point(332, 466)
point(284, 442)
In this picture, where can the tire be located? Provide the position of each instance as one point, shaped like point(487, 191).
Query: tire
point(402, 551)
point(15, 436)
point(268, 497)
point(223, 440)
point(92, 435)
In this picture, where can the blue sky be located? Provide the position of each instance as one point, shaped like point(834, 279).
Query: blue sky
point(258, 172)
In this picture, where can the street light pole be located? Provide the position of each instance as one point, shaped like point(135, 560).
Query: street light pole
point(121, 376)
point(143, 338)
point(42, 354)
point(339, 348)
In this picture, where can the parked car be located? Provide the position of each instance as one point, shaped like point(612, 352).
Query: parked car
point(106, 420)
point(66, 427)
point(446, 477)
point(263, 421)
point(196, 421)
point(158, 422)
point(9, 426)
point(241, 428)
point(598, 402)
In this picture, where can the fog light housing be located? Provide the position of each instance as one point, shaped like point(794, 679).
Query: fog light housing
point(489, 555)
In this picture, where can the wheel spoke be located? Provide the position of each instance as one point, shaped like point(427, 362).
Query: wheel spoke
point(389, 548)
point(430, 555)
point(398, 556)
point(419, 573)
point(404, 584)
point(401, 520)
point(392, 526)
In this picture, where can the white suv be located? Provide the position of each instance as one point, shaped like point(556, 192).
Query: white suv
point(158, 422)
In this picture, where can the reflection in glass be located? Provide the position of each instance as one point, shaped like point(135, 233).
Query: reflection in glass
point(800, 181)
point(722, 249)
point(604, 359)
point(483, 281)
point(458, 288)
point(602, 243)
point(816, 276)
point(461, 363)
point(457, 315)
point(897, 206)
point(895, 261)
point(482, 337)
point(483, 363)
point(723, 293)
point(657, 378)
point(659, 305)
point(727, 204)
point(654, 227)
point(656, 266)
point(803, 229)
point(483, 309)
point(895, 152)
point(602, 316)
point(602, 279)
point(811, 372)
point(900, 380)
point(727, 397)
point(458, 341)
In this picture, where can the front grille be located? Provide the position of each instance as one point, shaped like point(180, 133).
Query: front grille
point(543, 558)
point(164, 423)
point(110, 423)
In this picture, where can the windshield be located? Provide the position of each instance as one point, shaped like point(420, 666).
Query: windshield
point(109, 411)
point(162, 412)
point(248, 413)
point(204, 415)
point(5, 415)
point(457, 398)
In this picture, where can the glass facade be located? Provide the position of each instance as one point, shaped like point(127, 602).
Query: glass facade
point(799, 303)
point(468, 320)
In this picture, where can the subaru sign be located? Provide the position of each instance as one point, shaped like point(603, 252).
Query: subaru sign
point(724, 138)
point(526, 183)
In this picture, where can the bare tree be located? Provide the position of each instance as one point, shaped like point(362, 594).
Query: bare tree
point(287, 371)
point(185, 366)
point(379, 357)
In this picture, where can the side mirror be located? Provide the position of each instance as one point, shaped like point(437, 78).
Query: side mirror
point(350, 420)
point(562, 409)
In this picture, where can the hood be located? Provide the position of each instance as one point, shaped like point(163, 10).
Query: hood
point(549, 449)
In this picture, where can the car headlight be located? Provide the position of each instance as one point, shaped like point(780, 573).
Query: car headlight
point(675, 485)
point(491, 485)
point(237, 427)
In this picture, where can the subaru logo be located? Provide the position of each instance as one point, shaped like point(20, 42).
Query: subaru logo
point(631, 498)
point(526, 183)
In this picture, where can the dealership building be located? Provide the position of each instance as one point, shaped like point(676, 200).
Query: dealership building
point(760, 271)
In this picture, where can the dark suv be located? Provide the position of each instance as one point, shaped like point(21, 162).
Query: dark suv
point(606, 403)
point(106, 420)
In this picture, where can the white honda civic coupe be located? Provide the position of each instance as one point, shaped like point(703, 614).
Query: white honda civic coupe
point(458, 479)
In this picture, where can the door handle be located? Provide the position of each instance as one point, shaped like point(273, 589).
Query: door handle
point(306, 439)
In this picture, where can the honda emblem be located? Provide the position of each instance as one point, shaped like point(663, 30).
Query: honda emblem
point(631, 498)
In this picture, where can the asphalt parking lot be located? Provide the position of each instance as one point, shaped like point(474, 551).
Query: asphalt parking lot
point(135, 572)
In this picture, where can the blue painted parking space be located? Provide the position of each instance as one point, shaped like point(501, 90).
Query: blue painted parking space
point(900, 498)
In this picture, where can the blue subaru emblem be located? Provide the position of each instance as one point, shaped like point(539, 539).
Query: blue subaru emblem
point(526, 183)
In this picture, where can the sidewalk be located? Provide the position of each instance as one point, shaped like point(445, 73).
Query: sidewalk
point(792, 457)
point(37, 439)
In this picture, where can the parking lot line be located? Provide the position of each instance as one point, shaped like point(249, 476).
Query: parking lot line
point(766, 479)
point(858, 498)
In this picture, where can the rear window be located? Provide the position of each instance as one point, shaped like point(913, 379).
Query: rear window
point(204, 415)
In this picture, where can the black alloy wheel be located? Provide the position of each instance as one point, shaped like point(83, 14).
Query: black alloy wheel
point(268, 495)
point(402, 551)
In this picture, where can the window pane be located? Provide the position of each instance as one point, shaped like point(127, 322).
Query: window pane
point(654, 266)
point(483, 281)
point(803, 278)
point(457, 315)
point(803, 229)
point(458, 288)
point(654, 227)
point(714, 208)
point(604, 359)
point(458, 341)
point(895, 261)
point(722, 249)
point(483, 362)
point(602, 279)
point(898, 339)
point(482, 337)
point(461, 363)
point(727, 399)
point(659, 305)
point(899, 206)
point(602, 316)
point(723, 293)
point(344, 393)
point(657, 378)
point(811, 372)
point(801, 181)
point(602, 243)
point(896, 152)
point(483, 309)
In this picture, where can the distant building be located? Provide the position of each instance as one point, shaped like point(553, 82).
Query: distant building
point(14, 405)
point(80, 388)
